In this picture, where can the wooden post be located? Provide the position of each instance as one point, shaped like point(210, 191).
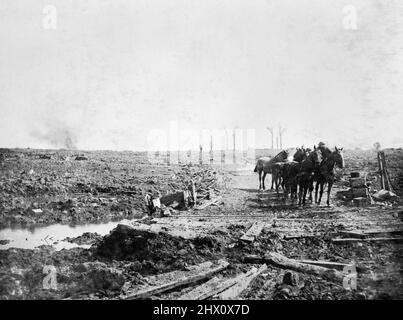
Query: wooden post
point(188, 157)
point(388, 185)
point(272, 136)
point(211, 150)
point(233, 155)
point(168, 158)
point(200, 154)
point(381, 170)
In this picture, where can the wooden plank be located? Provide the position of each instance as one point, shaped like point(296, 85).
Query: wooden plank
point(352, 234)
point(359, 192)
point(367, 233)
point(234, 291)
point(197, 273)
point(283, 262)
point(199, 291)
point(333, 265)
point(326, 264)
point(302, 236)
point(208, 203)
point(253, 232)
point(354, 240)
point(371, 232)
point(357, 182)
point(215, 286)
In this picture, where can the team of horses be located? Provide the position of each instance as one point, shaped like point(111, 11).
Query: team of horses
point(297, 177)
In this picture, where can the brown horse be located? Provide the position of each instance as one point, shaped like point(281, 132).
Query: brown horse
point(305, 175)
point(290, 172)
point(325, 173)
point(265, 165)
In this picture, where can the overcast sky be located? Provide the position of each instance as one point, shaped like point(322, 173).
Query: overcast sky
point(113, 70)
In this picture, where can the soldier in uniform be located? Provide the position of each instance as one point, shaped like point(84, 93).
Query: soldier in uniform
point(324, 150)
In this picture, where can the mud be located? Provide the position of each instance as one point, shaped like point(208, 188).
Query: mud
point(44, 186)
point(140, 248)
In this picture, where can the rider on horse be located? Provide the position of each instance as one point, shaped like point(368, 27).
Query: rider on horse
point(324, 150)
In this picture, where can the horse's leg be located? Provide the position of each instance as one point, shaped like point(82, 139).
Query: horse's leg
point(260, 179)
point(320, 192)
point(272, 181)
point(264, 177)
point(316, 191)
point(310, 190)
point(300, 192)
point(276, 179)
point(305, 191)
point(286, 190)
point(329, 187)
point(295, 183)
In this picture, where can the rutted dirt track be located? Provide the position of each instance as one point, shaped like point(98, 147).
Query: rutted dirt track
point(131, 257)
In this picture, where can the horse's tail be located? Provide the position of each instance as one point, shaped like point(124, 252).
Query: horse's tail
point(255, 169)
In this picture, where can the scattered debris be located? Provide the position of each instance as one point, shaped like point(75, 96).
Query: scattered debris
point(253, 232)
point(234, 291)
point(4, 242)
point(194, 274)
point(148, 256)
point(302, 236)
point(355, 240)
point(283, 262)
point(383, 195)
point(327, 264)
point(86, 238)
point(209, 203)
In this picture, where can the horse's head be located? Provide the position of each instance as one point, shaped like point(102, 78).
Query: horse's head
point(338, 157)
point(300, 155)
point(284, 154)
point(313, 157)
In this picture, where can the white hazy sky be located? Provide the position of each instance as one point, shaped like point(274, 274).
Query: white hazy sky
point(113, 70)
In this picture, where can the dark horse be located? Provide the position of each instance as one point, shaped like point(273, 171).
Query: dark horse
point(290, 172)
point(265, 165)
point(325, 173)
point(305, 176)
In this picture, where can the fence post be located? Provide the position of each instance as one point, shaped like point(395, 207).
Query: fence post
point(200, 154)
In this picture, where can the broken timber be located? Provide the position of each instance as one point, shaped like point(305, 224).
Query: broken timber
point(367, 233)
point(327, 264)
point(216, 286)
point(234, 291)
point(283, 262)
point(302, 236)
point(199, 273)
point(253, 232)
point(354, 240)
point(208, 203)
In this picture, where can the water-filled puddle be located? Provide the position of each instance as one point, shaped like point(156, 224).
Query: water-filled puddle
point(53, 235)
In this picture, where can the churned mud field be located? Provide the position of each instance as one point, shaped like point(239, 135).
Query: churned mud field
point(82, 215)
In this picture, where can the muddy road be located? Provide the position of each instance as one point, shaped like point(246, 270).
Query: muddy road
point(104, 246)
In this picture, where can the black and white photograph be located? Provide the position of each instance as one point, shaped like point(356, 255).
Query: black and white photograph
point(218, 151)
